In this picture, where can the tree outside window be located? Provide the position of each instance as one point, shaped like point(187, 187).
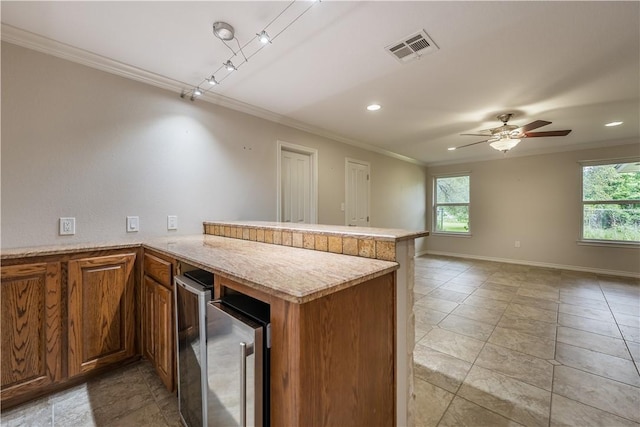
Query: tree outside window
point(611, 202)
point(451, 204)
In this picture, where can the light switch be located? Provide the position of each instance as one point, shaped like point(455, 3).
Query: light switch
point(172, 222)
point(133, 224)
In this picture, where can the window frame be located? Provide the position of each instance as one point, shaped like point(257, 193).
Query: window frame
point(603, 242)
point(435, 205)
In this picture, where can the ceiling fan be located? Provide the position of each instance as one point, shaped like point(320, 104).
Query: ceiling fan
point(504, 138)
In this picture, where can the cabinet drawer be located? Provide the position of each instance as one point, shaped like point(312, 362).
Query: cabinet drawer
point(158, 268)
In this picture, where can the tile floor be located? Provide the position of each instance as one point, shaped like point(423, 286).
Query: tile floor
point(508, 345)
point(132, 396)
point(496, 345)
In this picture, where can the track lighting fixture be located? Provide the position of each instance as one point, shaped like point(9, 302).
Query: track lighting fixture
point(264, 37)
point(229, 66)
point(226, 33)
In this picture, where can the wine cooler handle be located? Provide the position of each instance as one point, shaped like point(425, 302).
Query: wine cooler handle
point(243, 384)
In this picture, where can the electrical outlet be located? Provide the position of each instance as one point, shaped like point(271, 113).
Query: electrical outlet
point(133, 224)
point(67, 226)
point(517, 244)
point(172, 222)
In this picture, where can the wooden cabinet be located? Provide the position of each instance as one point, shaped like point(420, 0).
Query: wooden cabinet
point(158, 342)
point(30, 327)
point(332, 358)
point(101, 311)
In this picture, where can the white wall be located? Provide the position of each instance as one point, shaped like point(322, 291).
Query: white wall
point(535, 200)
point(83, 143)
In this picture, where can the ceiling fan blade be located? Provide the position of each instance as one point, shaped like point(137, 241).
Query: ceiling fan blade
point(473, 143)
point(534, 125)
point(550, 133)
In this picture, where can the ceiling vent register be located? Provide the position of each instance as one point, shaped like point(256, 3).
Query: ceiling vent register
point(412, 47)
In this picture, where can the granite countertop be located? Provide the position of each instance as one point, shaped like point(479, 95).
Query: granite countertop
point(293, 274)
point(62, 249)
point(392, 234)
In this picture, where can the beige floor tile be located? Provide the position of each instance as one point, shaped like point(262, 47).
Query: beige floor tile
point(438, 368)
point(569, 413)
point(590, 313)
point(584, 302)
point(532, 313)
point(535, 302)
point(530, 344)
point(478, 313)
point(508, 278)
point(448, 295)
point(37, 413)
point(622, 298)
point(544, 294)
point(146, 416)
point(631, 310)
point(508, 397)
point(611, 367)
point(493, 294)
point(437, 304)
point(627, 320)
point(595, 342)
point(426, 317)
point(532, 370)
point(630, 333)
point(590, 325)
point(430, 404)
point(462, 413)
point(532, 327)
point(580, 292)
point(500, 287)
point(489, 303)
point(608, 395)
point(457, 287)
point(456, 345)
point(471, 328)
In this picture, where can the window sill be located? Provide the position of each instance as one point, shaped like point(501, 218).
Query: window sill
point(445, 234)
point(609, 244)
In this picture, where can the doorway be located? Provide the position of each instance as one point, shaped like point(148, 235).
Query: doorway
point(357, 193)
point(297, 183)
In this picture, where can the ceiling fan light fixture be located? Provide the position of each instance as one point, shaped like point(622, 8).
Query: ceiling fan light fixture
point(504, 144)
point(612, 124)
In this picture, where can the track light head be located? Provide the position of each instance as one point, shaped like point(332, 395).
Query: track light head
point(229, 66)
point(264, 37)
point(212, 80)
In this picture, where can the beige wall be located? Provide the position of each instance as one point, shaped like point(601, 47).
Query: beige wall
point(535, 200)
point(84, 143)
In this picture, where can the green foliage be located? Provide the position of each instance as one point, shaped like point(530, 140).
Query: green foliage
point(612, 221)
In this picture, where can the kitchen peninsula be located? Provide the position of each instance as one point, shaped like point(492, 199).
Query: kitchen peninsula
point(341, 325)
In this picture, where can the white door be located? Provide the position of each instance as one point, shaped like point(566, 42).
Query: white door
point(295, 181)
point(357, 193)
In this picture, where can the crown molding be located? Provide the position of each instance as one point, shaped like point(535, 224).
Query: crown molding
point(29, 40)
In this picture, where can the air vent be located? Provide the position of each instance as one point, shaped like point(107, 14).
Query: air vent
point(412, 47)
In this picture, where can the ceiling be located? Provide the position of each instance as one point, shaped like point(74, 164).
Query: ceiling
point(576, 64)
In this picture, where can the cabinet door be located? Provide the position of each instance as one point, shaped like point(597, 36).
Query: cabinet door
point(30, 327)
point(101, 311)
point(165, 345)
point(149, 318)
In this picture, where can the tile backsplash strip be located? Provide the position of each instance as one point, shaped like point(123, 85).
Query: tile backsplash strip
point(327, 242)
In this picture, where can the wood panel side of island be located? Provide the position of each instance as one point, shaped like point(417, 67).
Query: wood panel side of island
point(333, 358)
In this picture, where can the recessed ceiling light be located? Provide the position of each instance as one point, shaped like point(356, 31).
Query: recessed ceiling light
point(373, 107)
point(451, 148)
point(613, 124)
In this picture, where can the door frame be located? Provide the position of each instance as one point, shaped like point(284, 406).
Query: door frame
point(313, 179)
point(348, 160)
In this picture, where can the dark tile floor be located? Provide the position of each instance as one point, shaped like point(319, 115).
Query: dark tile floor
point(496, 345)
point(502, 345)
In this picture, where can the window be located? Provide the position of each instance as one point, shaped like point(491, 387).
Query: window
point(611, 202)
point(451, 204)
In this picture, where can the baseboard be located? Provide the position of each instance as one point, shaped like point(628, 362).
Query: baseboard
point(600, 271)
